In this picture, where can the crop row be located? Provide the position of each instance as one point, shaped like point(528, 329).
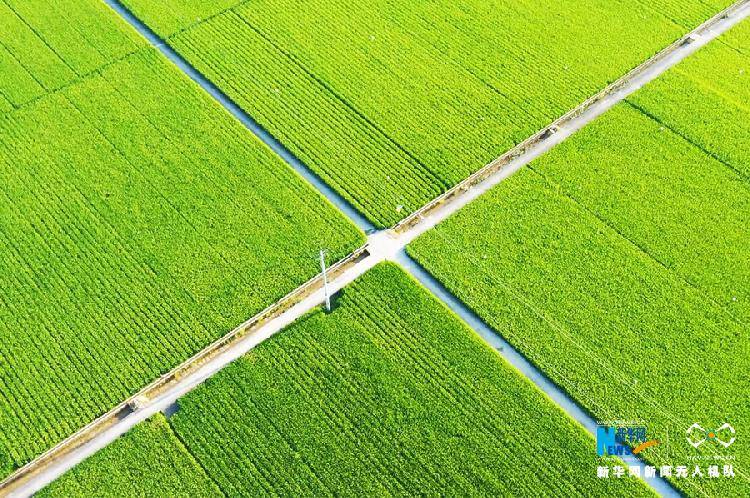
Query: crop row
point(683, 208)
point(325, 133)
point(738, 38)
point(148, 461)
point(47, 45)
point(387, 127)
point(618, 263)
point(168, 17)
point(626, 337)
point(673, 170)
point(139, 223)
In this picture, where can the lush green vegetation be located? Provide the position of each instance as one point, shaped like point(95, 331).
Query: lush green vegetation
point(388, 394)
point(138, 222)
point(686, 210)
point(611, 263)
point(677, 185)
point(389, 129)
point(738, 38)
point(147, 461)
point(167, 17)
point(47, 45)
point(706, 99)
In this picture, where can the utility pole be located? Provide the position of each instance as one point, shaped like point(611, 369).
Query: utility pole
point(325, 279)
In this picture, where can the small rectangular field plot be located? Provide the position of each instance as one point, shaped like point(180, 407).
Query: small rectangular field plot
point(147, 461)
point(168, 17)
point(706, 99)
point(45, 46)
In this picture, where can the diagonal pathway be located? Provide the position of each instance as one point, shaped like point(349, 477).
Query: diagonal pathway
point(383, 245)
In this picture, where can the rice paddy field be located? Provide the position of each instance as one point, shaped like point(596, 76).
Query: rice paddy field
point(706, 100)
point(391, 129)
point(46, 46)
point(619, 262)
point(147, 461)
point(138, 223)
point(390, 394)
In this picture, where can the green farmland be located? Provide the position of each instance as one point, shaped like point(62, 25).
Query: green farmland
point(390, 129)
point(685, 209)
point(626, 337)
point(388, 395)
point(40, 52)
point(151, 202)
point(138, 223)
point(147, 461)
point(706, 99)
point(618, 263)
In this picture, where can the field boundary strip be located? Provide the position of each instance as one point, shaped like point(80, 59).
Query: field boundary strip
point(498, 163)
point(380, 246)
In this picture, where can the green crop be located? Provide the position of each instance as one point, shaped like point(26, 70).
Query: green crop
point(686, 210)
point(138, 223)
point(168, 17)
point(675, 185)
point(392, 103)
point(388, 394)
point(611, 263)
point(147, 461)
point(47, 45)
point(706, 99)
point(618, 262)
point(738, 38)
